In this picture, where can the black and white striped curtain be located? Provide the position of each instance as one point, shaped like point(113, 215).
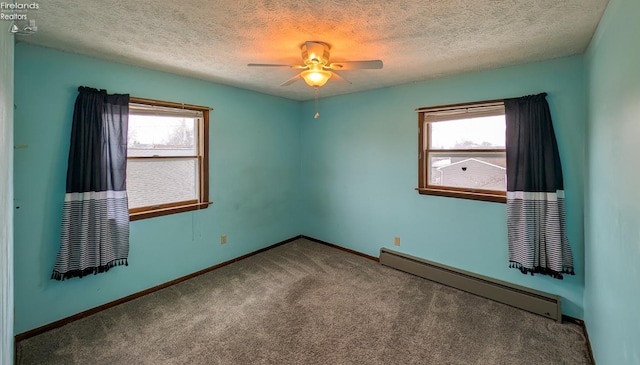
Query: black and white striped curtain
point(535, 192)
point(95, 220)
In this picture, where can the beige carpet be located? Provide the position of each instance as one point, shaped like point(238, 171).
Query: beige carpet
point(307, 303)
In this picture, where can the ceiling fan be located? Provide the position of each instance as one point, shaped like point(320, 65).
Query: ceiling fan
point(317, 68)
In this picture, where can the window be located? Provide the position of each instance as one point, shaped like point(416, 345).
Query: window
point(167, 158)
point(462, 151)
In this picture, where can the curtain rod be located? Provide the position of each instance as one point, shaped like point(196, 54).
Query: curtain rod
point(471, 104)
point(482, 103)
point(170, 104)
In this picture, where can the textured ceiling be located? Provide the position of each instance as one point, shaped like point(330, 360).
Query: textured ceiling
point(417, 39)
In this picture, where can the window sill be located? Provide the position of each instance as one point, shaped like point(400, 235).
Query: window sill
point(487, 197)
point(166, 211)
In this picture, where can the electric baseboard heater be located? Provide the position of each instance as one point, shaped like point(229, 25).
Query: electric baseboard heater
point(544, 304)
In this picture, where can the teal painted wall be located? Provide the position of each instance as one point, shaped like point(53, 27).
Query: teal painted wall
point(359, 172)
point(612, 255)
point(346, 178)
point(254, 181)
point(6, 197)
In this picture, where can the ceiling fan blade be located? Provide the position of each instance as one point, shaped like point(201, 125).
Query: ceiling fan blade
point(274, 65)
point(340, 77)
point(356, 65)
point(292, 80)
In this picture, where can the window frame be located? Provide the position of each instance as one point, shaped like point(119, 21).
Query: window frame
point(202, 155)
point(424, 149)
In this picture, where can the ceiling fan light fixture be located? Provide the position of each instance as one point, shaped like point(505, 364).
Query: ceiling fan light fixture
point(316, 78)
point(317, 68)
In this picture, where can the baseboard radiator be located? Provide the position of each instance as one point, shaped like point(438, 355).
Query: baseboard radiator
point(544, 304)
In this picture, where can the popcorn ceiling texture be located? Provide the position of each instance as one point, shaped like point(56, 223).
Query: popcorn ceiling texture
point(417, 40)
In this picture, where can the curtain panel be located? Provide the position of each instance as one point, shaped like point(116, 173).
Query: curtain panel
point(95, 219)
point(536, 222)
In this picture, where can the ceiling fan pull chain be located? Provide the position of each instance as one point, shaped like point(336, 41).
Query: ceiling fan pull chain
point(315, 89)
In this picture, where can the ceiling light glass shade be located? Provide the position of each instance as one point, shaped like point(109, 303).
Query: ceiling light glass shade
point(316, 78)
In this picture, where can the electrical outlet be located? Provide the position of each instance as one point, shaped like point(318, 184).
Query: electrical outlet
point(223, 239)
point(396, 241)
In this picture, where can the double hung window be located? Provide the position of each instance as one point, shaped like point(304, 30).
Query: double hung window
point(462, 151)
point(167, 158)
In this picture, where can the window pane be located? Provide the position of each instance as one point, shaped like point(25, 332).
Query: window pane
point(161, 136)
point(468, 170)
point(160, 181)
point(472, 133)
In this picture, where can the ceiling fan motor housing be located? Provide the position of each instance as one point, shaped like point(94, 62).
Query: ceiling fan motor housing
point(315, 53)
